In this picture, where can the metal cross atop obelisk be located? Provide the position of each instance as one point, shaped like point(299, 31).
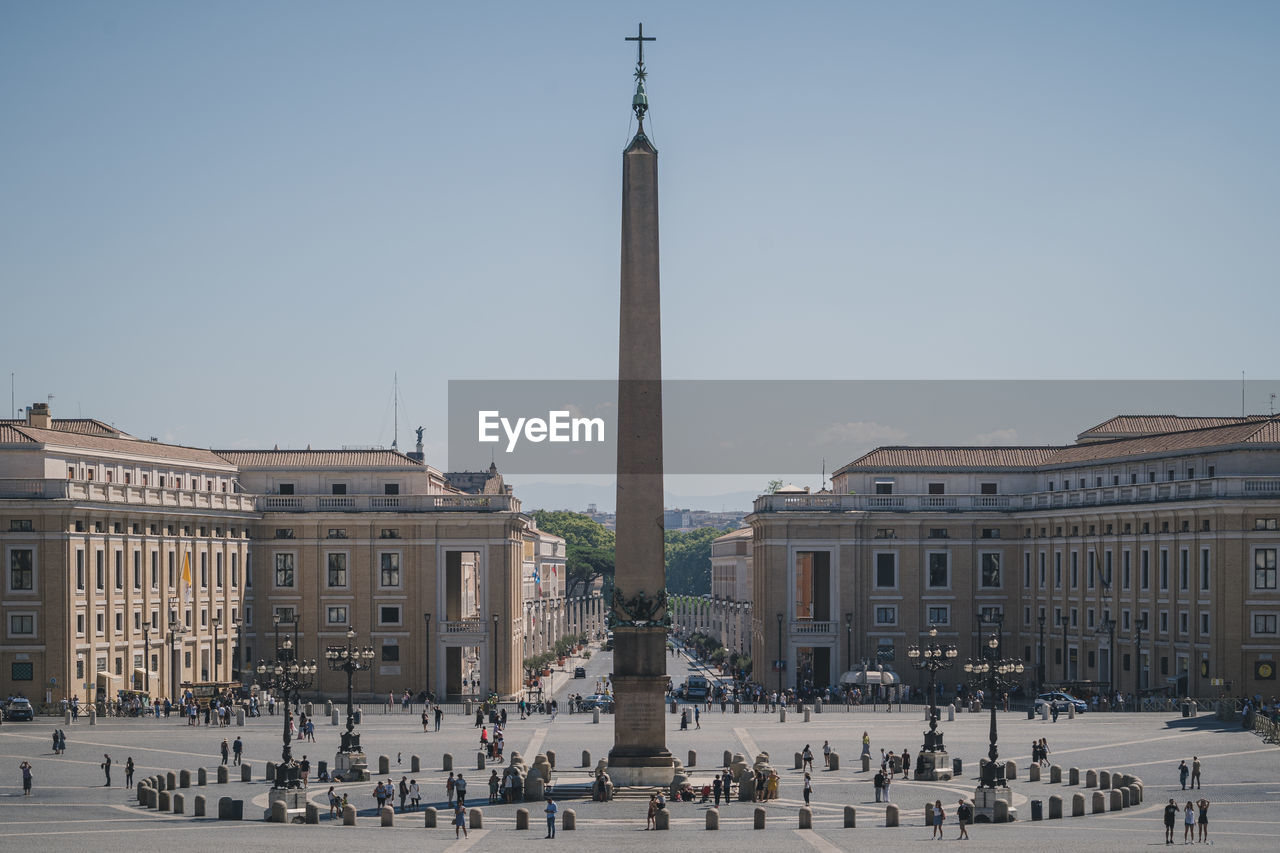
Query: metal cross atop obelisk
point(639, 607)
point(640, 103)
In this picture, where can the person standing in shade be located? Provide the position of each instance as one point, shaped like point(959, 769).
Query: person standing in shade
point(1195, 771)
point(106, 768)
point(448, 788)
point(25, 767)
point(128, 772)
point(403, 791)
point(439, 714)
point(650, 819)
point(1170, 817)
point(552, 808)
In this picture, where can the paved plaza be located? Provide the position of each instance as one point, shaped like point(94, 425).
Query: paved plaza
point(70, 807)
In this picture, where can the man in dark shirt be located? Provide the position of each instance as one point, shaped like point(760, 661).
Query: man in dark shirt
point(1170, 817)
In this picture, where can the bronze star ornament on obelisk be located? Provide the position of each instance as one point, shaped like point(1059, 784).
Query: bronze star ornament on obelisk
point(639, 614)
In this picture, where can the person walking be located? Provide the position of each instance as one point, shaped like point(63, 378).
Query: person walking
point(128, 772)
point(225, 750)
point(237, 751)
point(335, 802)
point(1203, 820)
point(304, 767)
point(1195, 771)
point(459, 821)
point(551, 810)
point(1188, 823)
point(697, 717)
point(964, 816)
point(808, 788)
point(25, 767)
point(938, 817)
point(1183, 773)
point(438, 714)
point(1170, 816)
point(650, 820)
point(106, 768)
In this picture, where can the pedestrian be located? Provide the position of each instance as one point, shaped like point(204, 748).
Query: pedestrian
point(826, 754)
point(438, 714)
point(551, 810)
point(906, 764)
point(335, 802)
point(494, 782)
point(1170, 815)
point(106, 768)
point(938, 817)
point(684, 720)
point(128, 772)
point(460, 788)
point(964, 816)
point(1183, 773)
point(237, 750)
point(425, 718)
point(225, 750)
point(806, 759)
point(878, 782)
point(55, 741)
point(888, 780)
point(808, 788)
point(1195, 771)
point(1203, 819)
point(448, 788)
point(380, 794)
point(459, 821)
point(415, 794)
point(650, 821)
point(866, 744)
point(403, 790)
point(697, 717)
point(25, 767)
point(716, 785)
point(1188, 823)
point(305, 767)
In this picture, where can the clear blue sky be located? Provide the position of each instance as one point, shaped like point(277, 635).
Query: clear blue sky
point(229, 223)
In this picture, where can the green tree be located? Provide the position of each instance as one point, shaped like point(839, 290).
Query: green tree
point(773, 487)
point(689, 560)
point(589, 549)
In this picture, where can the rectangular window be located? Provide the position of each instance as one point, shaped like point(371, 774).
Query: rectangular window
point(1264, 524)
point(100, 569)
point(992, 613)
point(80, 624)
point(1264, 568)
point(885, 650)
point(389, 533)
point(204, 570)
point(887, 570)
point(990, 570)
point(284, 570)
point(1088, 618)
point(939, 577)
point(939, 615)
point(937, 488)
point(1146, 569)
point(1164, 568)
point(991, 533)
point(137, 570)
point(1075, 569)
point(337, 533)
point(22, 670)
point(1057, 570)
point(337, 570)
point(391, 488)
point(1042, 569)
point(22, 624)
point(1026, 570)
point(988, 488)
point(389, 574)
point(1184, 622)
point(235, 570)
point(284, 533)
point(217, 569)
point(285, 615)
point(172, 565)
point(285, 488)
point(1164, 621)
point(339, 488)
point(887, 615)
point(1204, 624)
point(20, 525)
point(1184, 570)
point(1204, 569)
point(939, 533)
point(1264, 623)
point(119, 573)
point(22, 570)
point(336, 615)
point(390, 653)
point(80, 569)
point(884, 487)
point(1093, 569)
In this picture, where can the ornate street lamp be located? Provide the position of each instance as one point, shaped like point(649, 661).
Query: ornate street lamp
point(1108, 626)
point(288, 677)
point(146, 661)
point(217, 623)
point(932, 657)
point(493, 650)
point(1040, 664)
point(426, 617)
point(349, 659)
point(176, 630)
point(997, 673)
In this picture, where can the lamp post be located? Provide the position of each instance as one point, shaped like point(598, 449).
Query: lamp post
point(998, 673)
point(217, 623)
point(848, 641)
point(235, 657)
point(146, 660)
point(493, 651)
point(1108, 626)
point(1139, 625)
point(349, 659)
point(426, 618)
point(780, 663)
point(287, 676)
point(1064, 621)
point(932, 657)
point(175, 664)
point(1040, 663)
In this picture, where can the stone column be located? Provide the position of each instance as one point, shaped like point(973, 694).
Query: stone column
point(640, 755)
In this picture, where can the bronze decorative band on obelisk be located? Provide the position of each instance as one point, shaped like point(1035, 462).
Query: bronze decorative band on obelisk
point(639, 607)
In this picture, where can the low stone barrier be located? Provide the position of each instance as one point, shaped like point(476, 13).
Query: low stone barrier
point(170, 781)
point(224, 775)
point(165, 801)
point(384, 765)
point(1091, 778)
point(179, 803)
point(1011, 770)
point(387, 816)
point(1104, 779)
point(447, 762)
point(569, 820)
point(1055, 774)
point(1055, 807)
point(834, 761)
point(202, 775)
point(522, 818)
point(415, 764)
point(586, 759)
point(279, 812)
point(1077, 805)
point(429, 818)
point(1099, 802)
point(757, 821)
point(184, 779)
point(850, 817)
point(198, 805)
point(311, 815)
point(1033, 773)
point(1001, 813)
point(1073, 776)
point(806, 817)
point(713, 818)
point(348, 815)
point(153, 798)
point(928, 814)
point(662, 820)
point(1115, 801)
point(475, 818)
point(142, 789)
point(891, 815)
point(479, 760)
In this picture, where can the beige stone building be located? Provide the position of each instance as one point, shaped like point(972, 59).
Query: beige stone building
point(1158, 531)
point(100, 530)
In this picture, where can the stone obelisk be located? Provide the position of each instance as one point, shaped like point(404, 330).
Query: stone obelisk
point(640, 755)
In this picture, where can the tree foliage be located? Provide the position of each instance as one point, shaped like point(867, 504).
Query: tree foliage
point(589, 548)
point(689, 560)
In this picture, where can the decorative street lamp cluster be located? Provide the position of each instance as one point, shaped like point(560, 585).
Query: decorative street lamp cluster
point(932, 657)
point(287, 677)
point(998, 674)
point(350, 659)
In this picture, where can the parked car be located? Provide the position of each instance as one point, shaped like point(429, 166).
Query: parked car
point(603, 701)
point(1062, 700)
point(19, 708)
point(579, 672)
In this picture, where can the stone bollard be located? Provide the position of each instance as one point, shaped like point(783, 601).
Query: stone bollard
point(348, 815)
point(693, 759)
point(328, 707)
point(1073, 776)
point(384, 765)
point(270, 775)
point(662, 820)
point(246, 772)
point(534, 787)
point(333, 718)
point(1099, 802)
point(1000, 812)
point(224, 774)
point(1091, 778)
point(1033, 773)
point(66, 718)
point(312, 814)
point(866, 764)
point(1077, 805)
point(159, 782)
point(448, 762)
point(799, 760)
point(198, 805)
point(595, 714)
point(758, 819)
point(850, 817)
point(551, 758)
point(279, 812)
point(479, 760)
point(475, 819)
point(93, 716)
point(928, 814)
point(225, 809)
point(179, 803)
point(806, 715)
point(1115, 802)
point(1011, 770)
point(1071, 712)
point(1055, 807)
point(153, 798)
point(387, 816)
point(522, 818)
point(170, 781)
point(806, 817)
point(142, 787)
point(569, 820)
point(834, 762)
point(309, 709)
point(415, 764)
point(430, 818)
point(202, 776)
point(782, 715)
point(713, 818)
point(586, 758)
point(1104, 779)
point(1125, 798)
point(891, 815)
point(951, 713)
point(1044, 711)
point(817, 706)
